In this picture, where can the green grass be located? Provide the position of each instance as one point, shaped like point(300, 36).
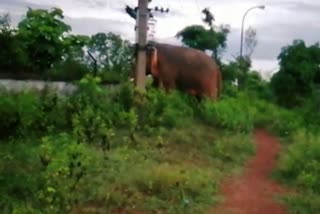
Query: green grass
point(178, 172)
point(299, 169)
point(122, 149)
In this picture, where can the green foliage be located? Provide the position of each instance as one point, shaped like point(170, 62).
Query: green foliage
point(29, 113)
point(68, 70)
point(278, 120)
point(93, 149)
point(19, 113)
point(19, 182)
point(299, 73)
point(113, 54)
point(72, 65)
point(68, 168)
point(12, 56)
point(255, 85)
point(234, 113)
point(196, 36)
point(42, 48)
point(249, 80)
point(230, 72)
point(169, 110)
point(300, 167)
point(304, 203)
point(225, 149)
point(301, 163)
point(41, 32)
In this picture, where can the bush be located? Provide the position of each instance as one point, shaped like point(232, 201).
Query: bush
point(20, 113)
point(300, 167)
point(155, 108)
point(301, 164)
point(233, 113)
point(168, 110)
point(69, 70)
point(69, 167)
point(76, 166)
point(18, 182)
point(225, 149)
point(279, 120)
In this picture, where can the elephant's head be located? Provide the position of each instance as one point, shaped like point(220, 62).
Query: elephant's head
point(151, 59)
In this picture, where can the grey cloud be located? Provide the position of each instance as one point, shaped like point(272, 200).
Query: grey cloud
point(89, 26)
point(20, 4)
point(299, 6)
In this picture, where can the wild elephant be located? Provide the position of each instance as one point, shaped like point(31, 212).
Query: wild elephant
point(185, 69)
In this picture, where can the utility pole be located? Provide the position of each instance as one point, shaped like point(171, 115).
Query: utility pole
point(141, 14)
point(142, 22)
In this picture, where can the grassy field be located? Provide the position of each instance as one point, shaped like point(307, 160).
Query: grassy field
point(100, 151)
point(108, 151)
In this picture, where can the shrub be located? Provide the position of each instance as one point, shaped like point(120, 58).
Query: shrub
point(20, 113)
point(69, 167)
point(279, 120)
point(18, 182)
point(233, 149)
point(301, 164)
point(231, 113)
point(155, 108)
point(169, 110)
point(68, 70)
point(300, 167)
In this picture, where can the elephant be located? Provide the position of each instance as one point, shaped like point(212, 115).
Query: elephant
point(185, 69)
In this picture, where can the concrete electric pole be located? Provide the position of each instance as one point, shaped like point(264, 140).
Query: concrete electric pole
point(142, 14)
point(142, 22)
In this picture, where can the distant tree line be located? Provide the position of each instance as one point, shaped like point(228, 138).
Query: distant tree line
point(42, 47)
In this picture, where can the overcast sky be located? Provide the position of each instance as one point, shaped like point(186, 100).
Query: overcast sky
point(278, 25)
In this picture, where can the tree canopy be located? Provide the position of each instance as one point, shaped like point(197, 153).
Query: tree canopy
point(197, 36)
point(42, 32)
point(299, 73)
point(43, 47)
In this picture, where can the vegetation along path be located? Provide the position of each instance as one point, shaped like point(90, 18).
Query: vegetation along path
point(253, 192)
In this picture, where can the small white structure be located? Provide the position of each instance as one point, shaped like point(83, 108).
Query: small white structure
point(151, 32)
point(151, 29)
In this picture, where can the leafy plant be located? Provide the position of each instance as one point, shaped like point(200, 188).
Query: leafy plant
point(42, 31)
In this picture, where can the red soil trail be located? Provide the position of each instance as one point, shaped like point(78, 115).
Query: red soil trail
point(254, 192)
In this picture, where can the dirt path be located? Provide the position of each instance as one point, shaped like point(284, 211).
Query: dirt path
point(254, 192)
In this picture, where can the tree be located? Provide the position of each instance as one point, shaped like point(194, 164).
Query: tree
point(4, 21)
point(250, 41)
point(72, 66)
point(113, 54)
point(42, 33)
point(74, 47)
point(196, 36)
point(12, 57)
point(298, 75)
